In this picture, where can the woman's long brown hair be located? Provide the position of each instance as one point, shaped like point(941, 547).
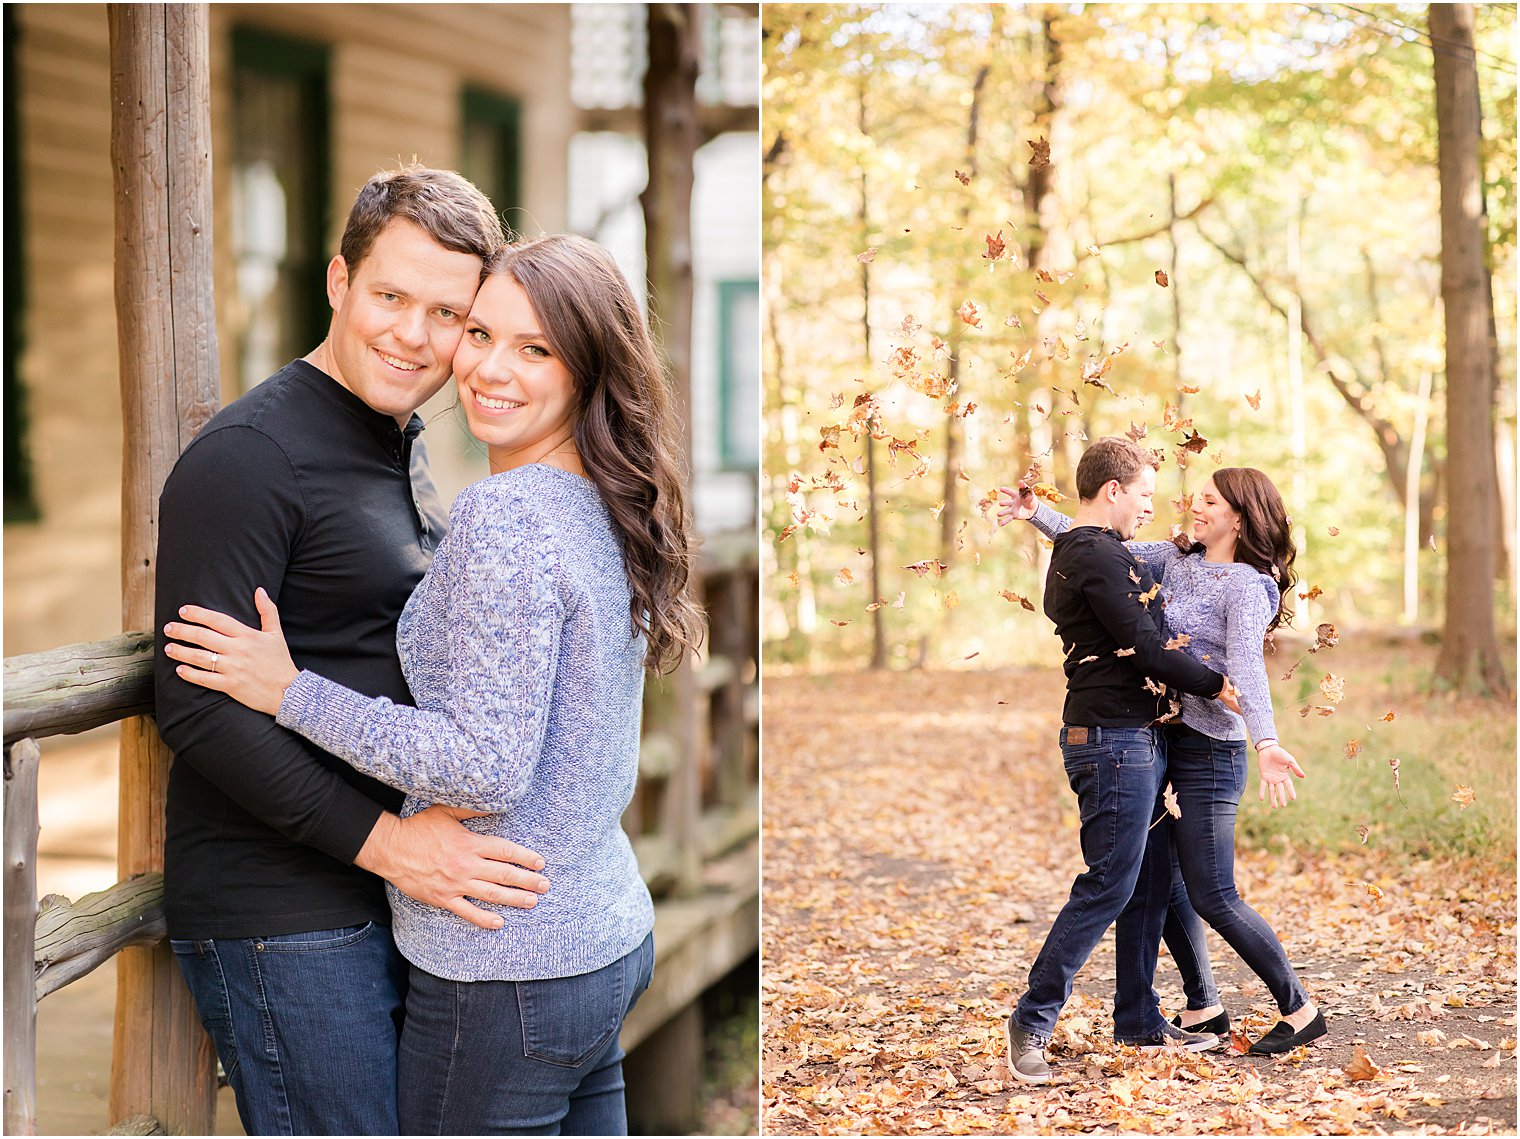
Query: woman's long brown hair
point(1266, 538)
point(625, 430)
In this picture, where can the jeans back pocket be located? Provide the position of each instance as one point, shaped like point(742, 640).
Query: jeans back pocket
point(567, 1021)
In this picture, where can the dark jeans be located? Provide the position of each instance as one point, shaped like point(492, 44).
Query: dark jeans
point(519, 1057)
point(1117, 775)
point(1196, 861)
point(305, 1024)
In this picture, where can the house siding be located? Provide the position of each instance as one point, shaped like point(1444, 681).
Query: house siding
point(396, 73)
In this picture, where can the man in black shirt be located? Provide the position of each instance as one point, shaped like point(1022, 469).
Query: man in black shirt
point(1107, 612)
point(315, 487)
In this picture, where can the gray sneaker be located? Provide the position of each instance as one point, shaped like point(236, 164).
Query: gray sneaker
point(1171, 1036)
point(1026, 1061)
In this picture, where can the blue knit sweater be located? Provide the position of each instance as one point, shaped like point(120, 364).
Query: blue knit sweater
point(1224, 608)
point(528, 678)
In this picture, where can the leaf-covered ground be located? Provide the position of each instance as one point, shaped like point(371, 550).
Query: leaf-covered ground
point(919, 838)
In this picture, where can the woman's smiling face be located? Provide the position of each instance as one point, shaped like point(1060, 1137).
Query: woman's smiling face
point(518, 397)
point(1213, 518)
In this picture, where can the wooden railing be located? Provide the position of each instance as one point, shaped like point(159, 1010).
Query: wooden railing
point(50, 944)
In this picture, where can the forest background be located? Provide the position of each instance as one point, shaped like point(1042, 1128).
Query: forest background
point(996, 232)
point(992, 234)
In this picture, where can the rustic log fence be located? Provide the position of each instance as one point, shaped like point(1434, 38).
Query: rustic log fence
point(704, 927)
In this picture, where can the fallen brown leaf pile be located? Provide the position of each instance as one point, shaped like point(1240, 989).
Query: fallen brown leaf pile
point(919, 838)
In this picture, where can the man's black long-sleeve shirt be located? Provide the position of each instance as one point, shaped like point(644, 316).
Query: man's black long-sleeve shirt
point(1105, 604)
point(302, 488)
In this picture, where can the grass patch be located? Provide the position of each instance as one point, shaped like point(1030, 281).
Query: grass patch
point(1441, 743)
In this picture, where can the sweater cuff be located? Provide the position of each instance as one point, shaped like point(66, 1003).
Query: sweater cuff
point(325, 713)
point(1048, 520)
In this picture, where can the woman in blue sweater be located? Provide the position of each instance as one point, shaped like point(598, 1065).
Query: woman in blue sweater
point(561, 581)
point(1225, 593)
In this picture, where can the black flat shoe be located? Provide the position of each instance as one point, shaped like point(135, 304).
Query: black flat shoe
point(1282, 1038)
point(1219, 1025)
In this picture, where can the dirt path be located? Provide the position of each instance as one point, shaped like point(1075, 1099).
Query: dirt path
point(919, 838)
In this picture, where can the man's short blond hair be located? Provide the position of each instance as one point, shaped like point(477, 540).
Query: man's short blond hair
point(1112, 457)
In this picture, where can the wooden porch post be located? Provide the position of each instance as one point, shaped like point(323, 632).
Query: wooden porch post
point(162, 1063)
point(671, 136)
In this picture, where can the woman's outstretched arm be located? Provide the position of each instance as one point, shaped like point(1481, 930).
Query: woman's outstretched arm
point(1249, 609)
point(1020, 504)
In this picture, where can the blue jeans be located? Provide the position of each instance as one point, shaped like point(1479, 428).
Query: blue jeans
point(1117, 774)
point(519, 1057)
point(1198, 853)
point(305, 1024)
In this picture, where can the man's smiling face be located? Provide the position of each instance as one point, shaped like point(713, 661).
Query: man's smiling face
point(398, 317)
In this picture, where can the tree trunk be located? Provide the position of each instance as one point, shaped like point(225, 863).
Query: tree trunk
point(1469, 657)
point(873, 535)
point(671, 138)
point(162, 1062)
point(954, 424)
point(1046, 233)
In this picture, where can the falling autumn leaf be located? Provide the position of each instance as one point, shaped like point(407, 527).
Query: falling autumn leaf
point(1332, 687)
point(1146, 597)
point(1041, 156)
point(1353, 748)
point(1178, 641)
point(1333, 530)
point(1186, 390)
point(1463, 797)
point(844, 576)
point(834, 621)
point(931, 567)
point(875, 605)
point(867, 257)
point(969, 314)
point(1255, 400)
point(1169, 801)
point(1010, 595)
point(1048, 492)
point(1374, 892)
point(995, 246)
point(1362, 832)
point(1124, 652)
point(793, 580)
point(1161, 278)
point(910, 325)
point(1194, 442)
point(963, 179)
point(1314, 591)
